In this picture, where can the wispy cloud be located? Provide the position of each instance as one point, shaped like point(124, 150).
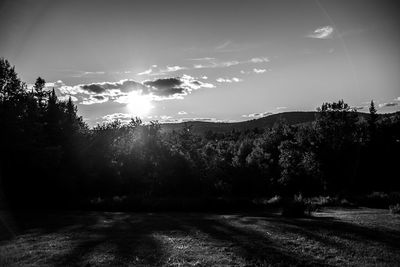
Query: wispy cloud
point(257, 115)
point(203, 63)
point(322, 33)
point(161, 71)
point(259, 71)
point(80, 73)
point(216, 64)
point(202, 59)
point(124, 117)
point(280, 108)
point(182, 112)
point(259, 59)
point(146, 72)
point(180, 120)
point(229, 80)
point(223, 45)
point(230, 46)
point(390, 104)
point(173, 68)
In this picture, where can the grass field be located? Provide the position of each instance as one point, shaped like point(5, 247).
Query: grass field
point(338, 237)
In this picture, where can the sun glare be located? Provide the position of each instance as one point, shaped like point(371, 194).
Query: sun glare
point(139, 105)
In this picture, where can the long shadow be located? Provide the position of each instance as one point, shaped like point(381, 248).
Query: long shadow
point(345, 230)
point(352, 240)
point(129, 238)
point(256, 248)
point(342, 229)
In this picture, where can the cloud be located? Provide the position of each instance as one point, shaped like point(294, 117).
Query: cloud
point(229, 63)
point(182, 113)
point(257, 115)
point(166, 83)
point(397, 99)
point(80, 73)
point(210, 63)
point(230, 80)
point(322, 33)
point(258, 71)
point(94, 88)
point(158, 89)
point(173, 68)
point(229, 46)
point(146, 72)
point(259, 59)
point(180, 120)
point(216, 64)
point(123, 86)
point(66, 98)
point(167, 69)
point(93, 99)
point(223, 45)
point(62, 90)
point(391, 104)
point(165, 117)
point(124, 117)
point(202, 59)
point(279, 108)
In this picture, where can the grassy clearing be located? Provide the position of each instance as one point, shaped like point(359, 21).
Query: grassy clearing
point(332, 237)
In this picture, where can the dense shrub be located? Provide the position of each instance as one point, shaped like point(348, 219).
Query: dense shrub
point(394, 209)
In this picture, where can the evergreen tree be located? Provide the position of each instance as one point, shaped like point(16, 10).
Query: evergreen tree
point(39, 90)
point(372, 119)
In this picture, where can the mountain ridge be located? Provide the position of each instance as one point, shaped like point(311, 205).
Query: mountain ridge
point(290, 117)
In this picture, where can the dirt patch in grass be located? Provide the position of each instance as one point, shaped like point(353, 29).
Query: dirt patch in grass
point(331, 237)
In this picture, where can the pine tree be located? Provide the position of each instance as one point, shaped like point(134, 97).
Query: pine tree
point(39, 93)
point(10, 84)
point(372, 120)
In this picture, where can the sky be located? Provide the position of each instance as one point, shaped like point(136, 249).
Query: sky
point(175, 61)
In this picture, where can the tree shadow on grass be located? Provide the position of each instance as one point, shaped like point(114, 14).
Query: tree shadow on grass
point(118, 239)
point(103, 238)
point(344, 230)
point(253, 246)
point(336, 237)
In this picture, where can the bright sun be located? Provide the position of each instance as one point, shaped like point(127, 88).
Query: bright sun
point(139, 105)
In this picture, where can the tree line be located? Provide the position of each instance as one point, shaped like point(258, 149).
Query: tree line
point(50, 158)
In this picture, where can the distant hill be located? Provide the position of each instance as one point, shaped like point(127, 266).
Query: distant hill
point(201, 127)
point(291, 118)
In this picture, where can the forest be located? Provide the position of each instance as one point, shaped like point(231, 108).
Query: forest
point(51, 159)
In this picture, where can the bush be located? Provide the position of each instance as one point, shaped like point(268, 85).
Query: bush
point(394, 209)
point(294, 208)
point(274, 201)
point(377, 200)
point(394, 197)
point(322, 201)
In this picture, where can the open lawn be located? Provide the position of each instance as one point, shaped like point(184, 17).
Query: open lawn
point(331, 237)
